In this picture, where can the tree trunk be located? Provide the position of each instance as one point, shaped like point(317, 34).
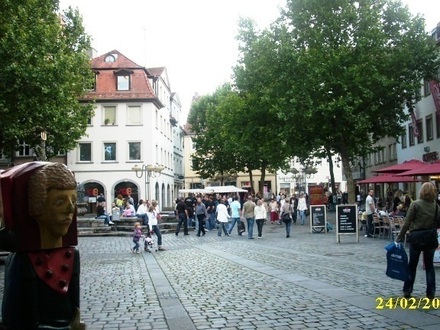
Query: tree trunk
point(332, 174)
point(251, 179)
point(261, 184)
point(349, 177)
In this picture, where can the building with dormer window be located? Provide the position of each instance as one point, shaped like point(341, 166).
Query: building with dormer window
point(135, 123)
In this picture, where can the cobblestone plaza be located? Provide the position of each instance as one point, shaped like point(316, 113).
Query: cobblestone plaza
point(308, 281)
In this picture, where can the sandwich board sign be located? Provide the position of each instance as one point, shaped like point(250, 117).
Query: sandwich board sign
point(346, 221)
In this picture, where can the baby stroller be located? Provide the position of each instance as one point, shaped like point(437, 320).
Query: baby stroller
point(149, 244)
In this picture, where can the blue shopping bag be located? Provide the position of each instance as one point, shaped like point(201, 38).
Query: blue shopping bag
point(397, 262)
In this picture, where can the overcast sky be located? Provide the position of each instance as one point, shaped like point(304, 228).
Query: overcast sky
point(193, 39)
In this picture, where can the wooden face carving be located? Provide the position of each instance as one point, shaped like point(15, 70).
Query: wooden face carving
point(57, 216)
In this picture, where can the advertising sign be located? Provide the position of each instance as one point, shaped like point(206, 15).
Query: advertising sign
point(318, 218)
point(346, 221)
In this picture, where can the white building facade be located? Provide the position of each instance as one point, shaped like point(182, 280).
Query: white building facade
point(132, 125)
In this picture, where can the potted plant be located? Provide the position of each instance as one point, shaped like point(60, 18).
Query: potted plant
point(107, 121)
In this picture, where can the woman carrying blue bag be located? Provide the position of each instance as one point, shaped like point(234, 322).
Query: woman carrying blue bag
point(422, 220)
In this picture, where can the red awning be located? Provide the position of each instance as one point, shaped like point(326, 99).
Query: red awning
point(425, 169)
point(389, 178)
point(399, 168)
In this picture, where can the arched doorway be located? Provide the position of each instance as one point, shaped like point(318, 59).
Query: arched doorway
point(91, 191)
point(126, 187)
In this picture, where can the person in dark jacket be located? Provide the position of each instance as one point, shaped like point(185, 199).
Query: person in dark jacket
point(422, 214)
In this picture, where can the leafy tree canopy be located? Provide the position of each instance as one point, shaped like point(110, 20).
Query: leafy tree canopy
point(347, 69)
point(45, 70)
point(215, 156)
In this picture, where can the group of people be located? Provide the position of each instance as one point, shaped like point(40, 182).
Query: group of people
point(149, 213)
point(297, 207)
point(223, 213)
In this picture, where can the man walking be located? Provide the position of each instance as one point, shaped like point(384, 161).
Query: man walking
point(248, 214)
point(370, 209)
point(235, 214)
point(182, 215)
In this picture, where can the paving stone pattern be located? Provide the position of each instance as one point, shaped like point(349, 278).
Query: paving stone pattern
point(308, 281)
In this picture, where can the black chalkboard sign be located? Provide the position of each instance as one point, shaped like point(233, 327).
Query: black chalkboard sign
point(318, 218)
point(346, 220)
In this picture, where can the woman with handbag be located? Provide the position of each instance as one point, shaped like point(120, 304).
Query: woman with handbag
point(286, 218)
point(422, 221)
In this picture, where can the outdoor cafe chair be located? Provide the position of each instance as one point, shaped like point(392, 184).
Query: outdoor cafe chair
point(378, 228)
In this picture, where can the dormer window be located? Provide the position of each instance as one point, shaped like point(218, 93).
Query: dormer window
point(123, 80)
point(110, 59)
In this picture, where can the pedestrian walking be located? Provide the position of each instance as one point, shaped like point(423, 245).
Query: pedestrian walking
point(190, 203)
point(182, 215)
point(137, 234)
point(201, 215)
point(248, 214)
point(273, 207)
point(294, 206)
point(302, 207)
point(260, 215)
point(423, 214)
point(222, 218)
point(235, 215)
point(286, 217)
point(153, 223)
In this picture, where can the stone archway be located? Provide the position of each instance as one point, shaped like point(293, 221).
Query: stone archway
point(125, 187)
point(91, 190)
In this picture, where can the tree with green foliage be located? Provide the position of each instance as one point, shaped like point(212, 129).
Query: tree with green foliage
point(346, 70)
point(45, 70)
point(215, 156)
point(260, 138)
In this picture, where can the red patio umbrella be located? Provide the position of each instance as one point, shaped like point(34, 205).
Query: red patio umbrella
point(399, 168)
point(389, 178)
point(425, 169)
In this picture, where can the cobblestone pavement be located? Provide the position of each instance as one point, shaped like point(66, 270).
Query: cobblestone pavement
point(308, 281)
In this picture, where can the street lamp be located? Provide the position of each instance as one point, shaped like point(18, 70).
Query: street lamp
point(147, 171)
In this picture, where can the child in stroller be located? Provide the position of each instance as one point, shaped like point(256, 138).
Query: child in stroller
point(149, 244)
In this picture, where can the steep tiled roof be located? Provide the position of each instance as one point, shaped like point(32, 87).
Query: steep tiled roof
point(121, 62)
point(106, 81)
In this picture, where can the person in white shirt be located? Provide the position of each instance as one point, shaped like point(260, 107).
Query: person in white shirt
point(302, 207)
point(222, 218)
point(141, 212)
point(153, 224)
point(370, 209)
point(260, 214)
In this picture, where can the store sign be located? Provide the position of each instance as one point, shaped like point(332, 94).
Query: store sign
point(430, 157)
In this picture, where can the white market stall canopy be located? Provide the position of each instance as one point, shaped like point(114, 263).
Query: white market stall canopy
point(224, 189)
point(214, 190)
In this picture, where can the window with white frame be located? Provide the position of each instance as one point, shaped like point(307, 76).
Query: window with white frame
point(134, 115)
point(109, 115)
point(411, 134)
point(134, 150)
point(426, 88)
point(420, 138)
point(85, 152)
point(123, 82)
point(24, 149)
point(429, 128)
point(109, 151)
point(403, 140)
